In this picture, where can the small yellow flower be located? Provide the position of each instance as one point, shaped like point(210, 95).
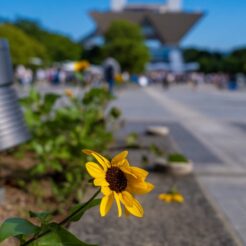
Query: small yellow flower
point(69, 93)
point(118, 78)
point(172, 197)
point(165, 197)
point(81, 65)
point(118, 181)
point(178, 198)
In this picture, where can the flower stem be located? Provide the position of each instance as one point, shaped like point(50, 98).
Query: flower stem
point(63, 222)
point(78, 210)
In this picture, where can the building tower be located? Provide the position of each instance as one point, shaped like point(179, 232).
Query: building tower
point(165, 23)
point(118, 5)
point(174, 5)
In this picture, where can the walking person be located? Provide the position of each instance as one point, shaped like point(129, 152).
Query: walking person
point(111, 68)
point(109, 77)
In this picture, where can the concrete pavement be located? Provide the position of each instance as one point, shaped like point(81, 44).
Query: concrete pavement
point(210, 128)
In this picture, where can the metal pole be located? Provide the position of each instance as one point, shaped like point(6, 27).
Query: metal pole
point(13, 130)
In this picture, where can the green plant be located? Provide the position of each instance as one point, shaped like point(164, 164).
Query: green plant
point(132, 140)
point(46, 231)
point(156, 150)
point(177, 158)
point(59, 134)
point(116, 187)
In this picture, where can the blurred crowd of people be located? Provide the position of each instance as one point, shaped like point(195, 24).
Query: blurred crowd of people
point(110, 72)
point(219, 80)
point(53, 75)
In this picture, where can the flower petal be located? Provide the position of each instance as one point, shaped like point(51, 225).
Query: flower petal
point(139, 172)
point(126, 198)
point(126, 163)
point(166, 197)
point(106, 204)
point(94, 170)
point(117, 199)
point(162, 196)
point(139, 188)
point(127, 213)
point(101, 159)
point(100, 182)
point(178, 198)
point(119, 158)
point(106, 190)
point(128, 171)
point(136, 209)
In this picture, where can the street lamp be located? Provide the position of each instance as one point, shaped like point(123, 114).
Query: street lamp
point(13, 130)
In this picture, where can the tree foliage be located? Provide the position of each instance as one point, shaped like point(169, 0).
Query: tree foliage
point(122, 29)
point(59, 47)
point(233, 62)
point(94, 55)
point(22, 46)
point(124, 41)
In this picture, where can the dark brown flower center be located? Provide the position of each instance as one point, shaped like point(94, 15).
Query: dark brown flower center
point(116, 179)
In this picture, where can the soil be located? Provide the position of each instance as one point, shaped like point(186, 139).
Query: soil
point(18, 199)
point(14, 199)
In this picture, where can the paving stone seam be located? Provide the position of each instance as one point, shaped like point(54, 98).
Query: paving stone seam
point(223, 216)
point(177, 109)
point(216, 147)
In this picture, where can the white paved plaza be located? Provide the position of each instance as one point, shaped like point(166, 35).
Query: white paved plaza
point(210, 127)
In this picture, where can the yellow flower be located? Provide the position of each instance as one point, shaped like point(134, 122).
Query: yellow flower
point(118, 78)
point(165, 197)
point(172, 197)
point(81, 65)
point(178, 198)
point(118, 181)
point(68, 92)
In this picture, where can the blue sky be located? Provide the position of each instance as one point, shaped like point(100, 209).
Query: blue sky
point(223, 26)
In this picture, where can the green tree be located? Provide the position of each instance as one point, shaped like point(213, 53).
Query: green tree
point(233, 62)
point(94, 55)
point(236, 61)
point(209, 61)
point(59, 47)
point(22, 46)
point(125, 42)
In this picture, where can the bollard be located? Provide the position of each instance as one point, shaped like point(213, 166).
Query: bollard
point(13, 130)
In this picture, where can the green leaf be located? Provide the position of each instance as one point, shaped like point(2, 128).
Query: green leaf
point(56, 166)
point(49, 101)
point(13, 227)
point(48, 146)
point(42, 216)
point(34, 95)
point(77, 216)
point(38, 169)
point(38, 148)
point(58, 236)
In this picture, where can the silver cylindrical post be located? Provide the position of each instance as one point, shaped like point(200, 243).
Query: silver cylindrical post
point(13, 130)
point(6, 72)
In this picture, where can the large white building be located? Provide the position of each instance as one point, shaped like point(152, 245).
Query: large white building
point(163, 24)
